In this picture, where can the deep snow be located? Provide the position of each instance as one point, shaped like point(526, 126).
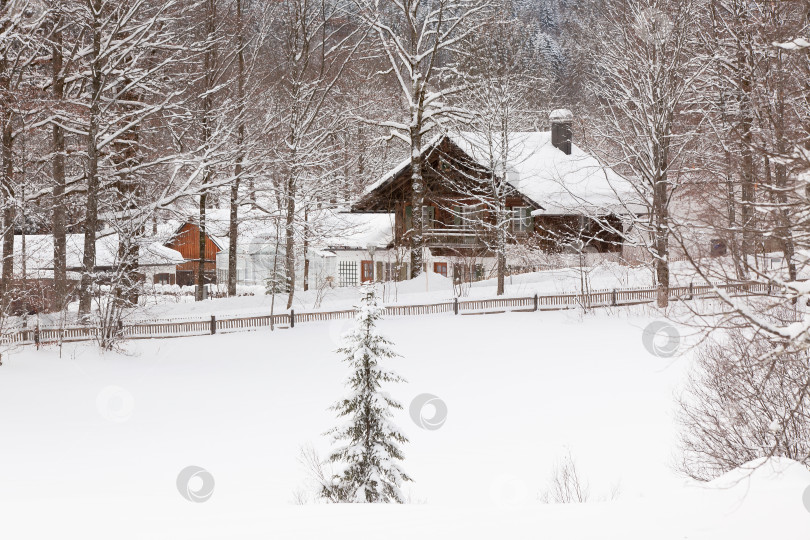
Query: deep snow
point(92, 444)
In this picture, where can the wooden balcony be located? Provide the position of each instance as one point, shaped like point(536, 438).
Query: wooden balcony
point(457, 237)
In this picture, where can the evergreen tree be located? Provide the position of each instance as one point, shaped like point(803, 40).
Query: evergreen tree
point(370, 442)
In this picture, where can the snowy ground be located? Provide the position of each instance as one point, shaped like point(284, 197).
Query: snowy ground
point(92, 444)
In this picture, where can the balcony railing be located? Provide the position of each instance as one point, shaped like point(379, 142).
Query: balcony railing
point(456, 237)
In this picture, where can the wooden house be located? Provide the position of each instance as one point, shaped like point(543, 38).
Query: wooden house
point(556, 196)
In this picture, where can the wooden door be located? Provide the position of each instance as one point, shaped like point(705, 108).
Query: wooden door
point(366, 271)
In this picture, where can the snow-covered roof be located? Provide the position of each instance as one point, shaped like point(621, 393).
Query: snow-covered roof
point(38, 253)
point(401, 166)
point(555, 182)
point(327, 230)
point(357, 231)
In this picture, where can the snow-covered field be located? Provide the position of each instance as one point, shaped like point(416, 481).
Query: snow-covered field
point(91, 445)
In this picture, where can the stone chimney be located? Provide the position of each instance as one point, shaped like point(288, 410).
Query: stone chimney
point(561, 121)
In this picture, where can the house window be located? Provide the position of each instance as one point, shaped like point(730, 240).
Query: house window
point(347, 274)
point(366, 271)
point(163, 279)
point(185, 278)
point(428, 216)
point(402, 271)
point(440, 268)
point(469, 216)
point(521, 219)
point(390, 271)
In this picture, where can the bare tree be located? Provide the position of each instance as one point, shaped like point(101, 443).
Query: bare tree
point(19, 49)
point(419, 40)
point(497, 108)
point(644, 71)
point(127, 53)
point(316, 45)
point(749, 397)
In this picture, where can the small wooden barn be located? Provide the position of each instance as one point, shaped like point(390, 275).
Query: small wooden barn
point(186, 240)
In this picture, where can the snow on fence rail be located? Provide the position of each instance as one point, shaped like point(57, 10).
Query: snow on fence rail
point(213, 325)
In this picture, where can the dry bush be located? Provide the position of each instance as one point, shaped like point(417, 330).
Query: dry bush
point(746, 398)
point(566, 485)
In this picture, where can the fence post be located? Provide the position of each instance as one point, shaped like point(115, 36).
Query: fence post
point(536, 302)
point(213, 325)
point(292, 318)
point(455, 305)
point(613, 297)
point(691, 291)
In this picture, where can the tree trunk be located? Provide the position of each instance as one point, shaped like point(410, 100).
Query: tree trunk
point(747, 172)
point(501, 248)
point(783, 217)
point(7, 187)
point(306, 248)
point(198, 294)
point(289, 244)
point(417, 202)
point(733, 236)
point(233, 229)
point(91, 213)
point(59, 215)
point(125, 155)
point(6, 173)
point(661, 240)
point(209, 65)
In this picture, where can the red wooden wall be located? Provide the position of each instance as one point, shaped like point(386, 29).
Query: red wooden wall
point(187, 242)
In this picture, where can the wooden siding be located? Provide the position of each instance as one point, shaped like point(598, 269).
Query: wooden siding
point(551, 233)
point(187, 242)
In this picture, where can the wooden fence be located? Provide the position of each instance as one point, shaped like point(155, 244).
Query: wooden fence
point(213, 325)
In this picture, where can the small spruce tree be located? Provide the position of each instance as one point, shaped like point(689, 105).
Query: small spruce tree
point(369, 449)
